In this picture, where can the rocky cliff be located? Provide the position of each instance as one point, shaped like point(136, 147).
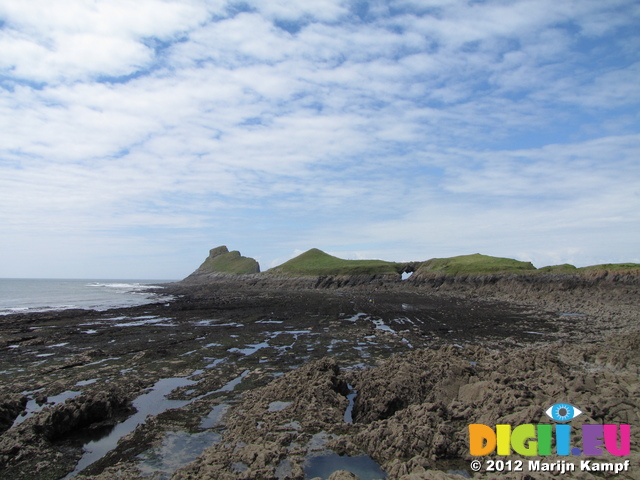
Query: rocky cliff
point(221, 262)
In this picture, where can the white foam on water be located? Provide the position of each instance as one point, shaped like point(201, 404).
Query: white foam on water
point(43, 295)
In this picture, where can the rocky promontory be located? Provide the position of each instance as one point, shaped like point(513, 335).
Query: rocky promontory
point(221, 262)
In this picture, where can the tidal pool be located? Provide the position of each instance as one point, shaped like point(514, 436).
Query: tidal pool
point(150, 403)
point(324, 465)
point(348, 414)
point(214, 418)
point(177, 450)
point(32, 406)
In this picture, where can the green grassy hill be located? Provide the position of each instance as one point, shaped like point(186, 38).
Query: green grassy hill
point(475, 264)
point(222, 261)
point(564, 268)
point(610, 269)
point(316, 262)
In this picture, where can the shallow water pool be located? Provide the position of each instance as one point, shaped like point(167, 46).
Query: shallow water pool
point(325, 464)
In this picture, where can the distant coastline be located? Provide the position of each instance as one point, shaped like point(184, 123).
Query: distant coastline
point(315, 262)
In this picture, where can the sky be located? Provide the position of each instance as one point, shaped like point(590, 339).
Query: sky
point(136, 136)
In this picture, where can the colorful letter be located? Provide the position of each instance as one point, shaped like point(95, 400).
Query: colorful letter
point(482, 439)
point(592, 439)
point(544, 439)
point(524, 434)
point(611, 439)
point(563, 439)
point(503, 432)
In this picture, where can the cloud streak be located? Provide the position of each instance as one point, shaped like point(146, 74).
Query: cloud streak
point(394, 129)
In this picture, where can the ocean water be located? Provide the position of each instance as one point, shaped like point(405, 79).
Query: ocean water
point(23, 295)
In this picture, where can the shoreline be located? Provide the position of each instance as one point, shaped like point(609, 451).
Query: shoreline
point(35, 295)
point(285, 342)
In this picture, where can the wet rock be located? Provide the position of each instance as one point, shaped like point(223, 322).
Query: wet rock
point(343, 475)
point(427, 376)
point(412, 409)
point(33, 441)
point(259, 437)
point(10, 408)
point(79, 413)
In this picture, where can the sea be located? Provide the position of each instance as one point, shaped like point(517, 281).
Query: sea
point(25, 295)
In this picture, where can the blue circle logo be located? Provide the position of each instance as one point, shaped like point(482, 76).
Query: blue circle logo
point(563, 412)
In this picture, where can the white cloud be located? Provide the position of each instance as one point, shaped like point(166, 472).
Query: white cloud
point(322, 10)
point(77, 39)
point(493, 127)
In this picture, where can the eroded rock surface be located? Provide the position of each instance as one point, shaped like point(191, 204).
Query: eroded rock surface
point(260, 375)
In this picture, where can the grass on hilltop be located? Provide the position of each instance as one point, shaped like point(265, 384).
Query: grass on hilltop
point(230, 263)
point(316, 262)
point(473, 265)
point(564, 268)
point(611, 269)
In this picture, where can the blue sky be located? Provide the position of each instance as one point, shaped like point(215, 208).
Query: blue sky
point(135, 136)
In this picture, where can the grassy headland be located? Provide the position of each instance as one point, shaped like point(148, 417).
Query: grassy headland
point(473, 265)
point(611, 269)
point(315, 262)
point(222, 261)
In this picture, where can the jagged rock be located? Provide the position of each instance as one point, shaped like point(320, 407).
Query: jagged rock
point(79, 412)
point(10, 408)
point(33, 438)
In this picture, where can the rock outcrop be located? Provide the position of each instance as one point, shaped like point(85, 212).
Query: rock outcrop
point(412, 412)
point(10, 408)
point(222, 262)
point(36, 437)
